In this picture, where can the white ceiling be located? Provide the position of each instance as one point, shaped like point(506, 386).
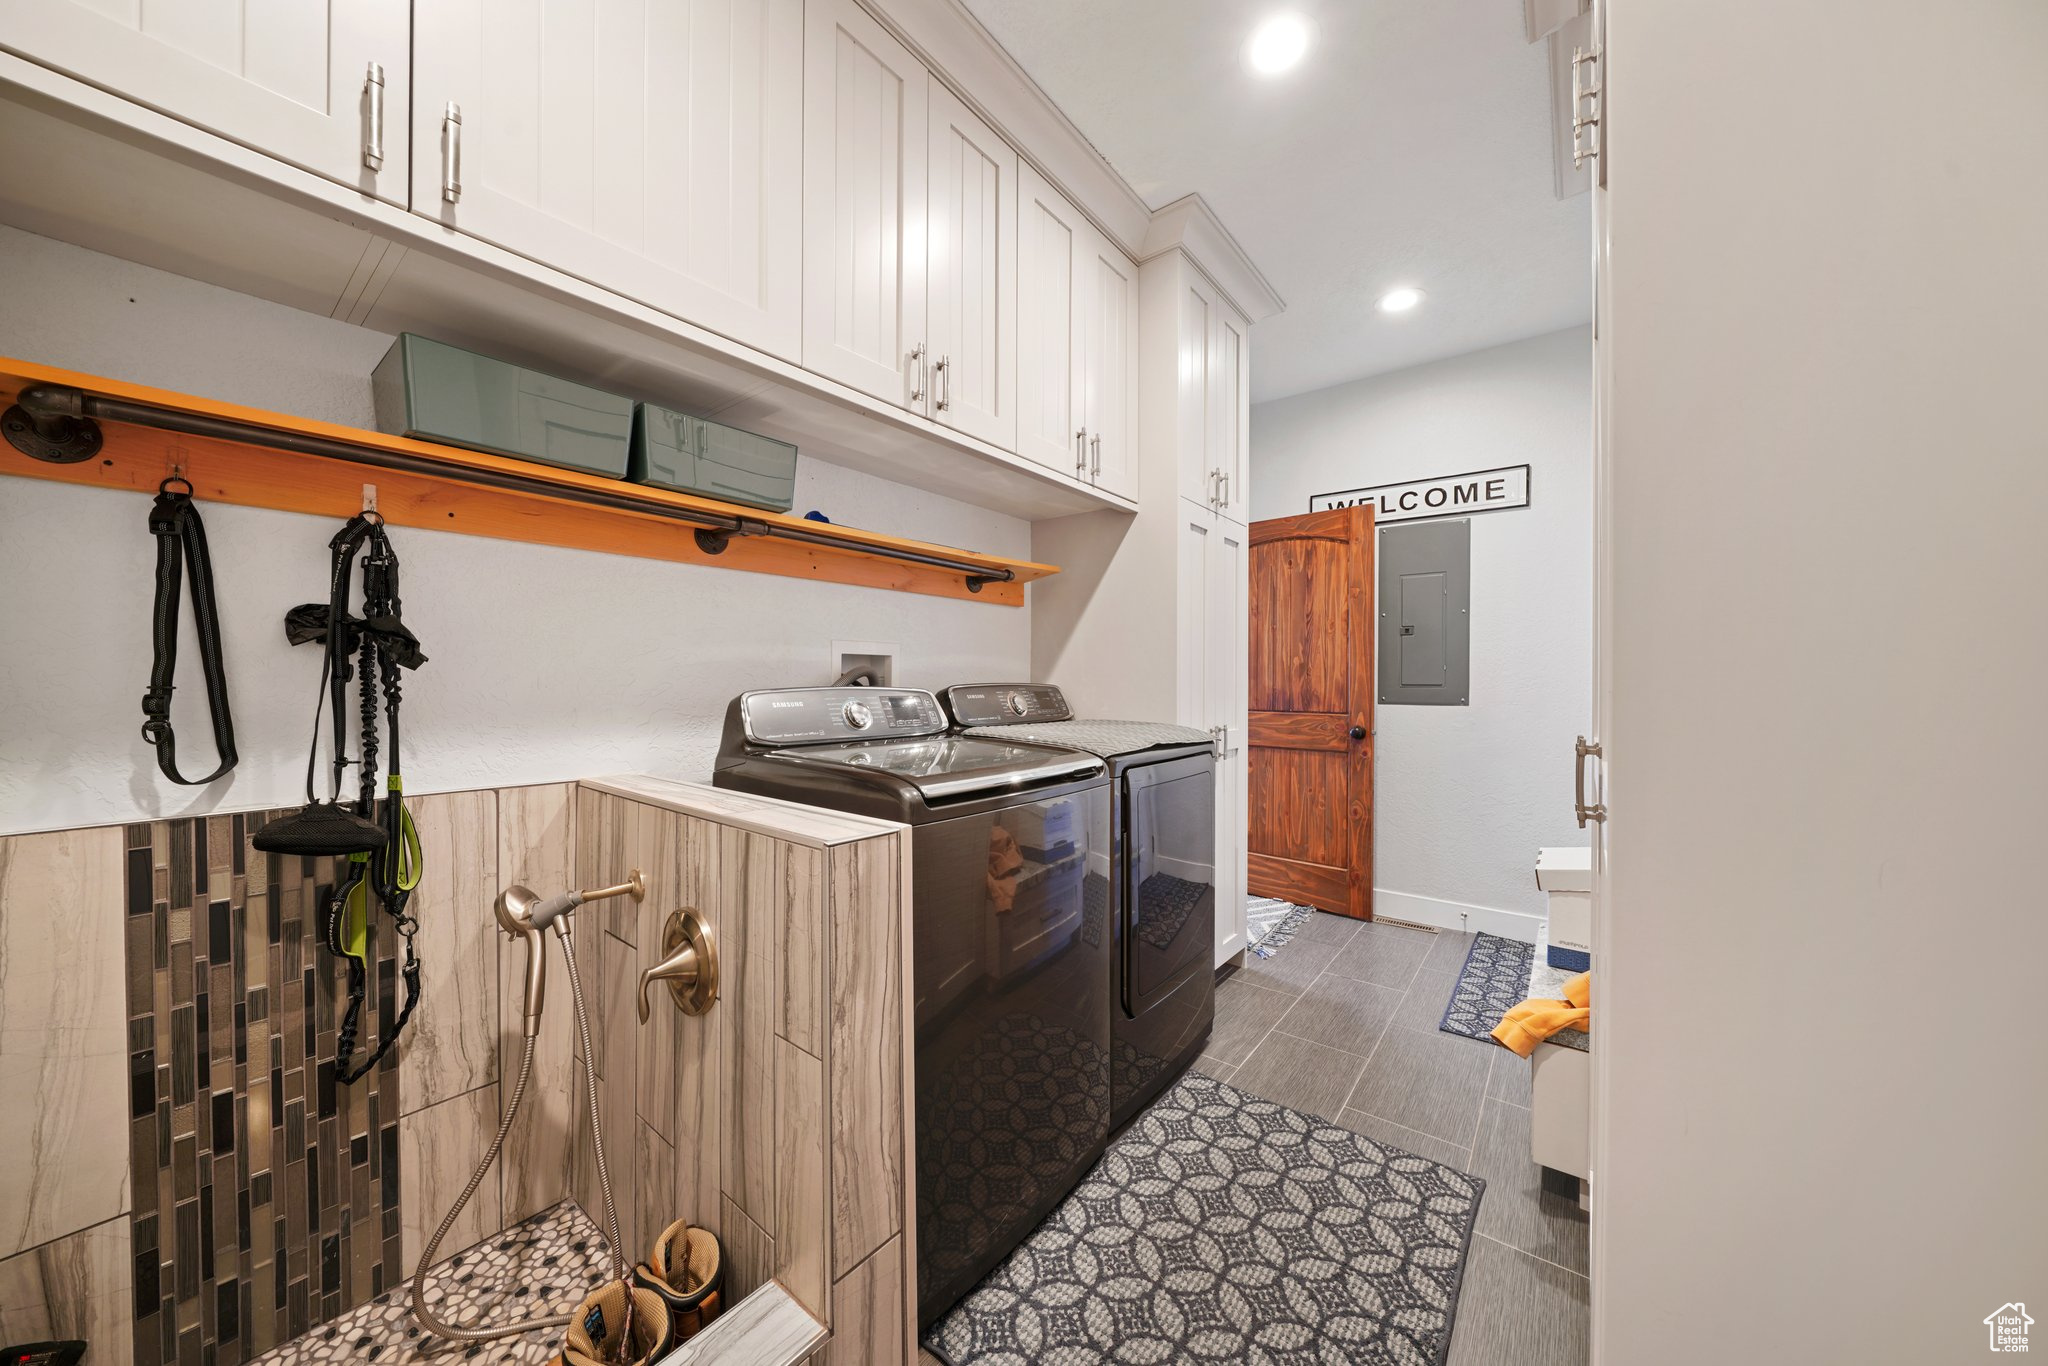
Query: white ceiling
point(1411, 147)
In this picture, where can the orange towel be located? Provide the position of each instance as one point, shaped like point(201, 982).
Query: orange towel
point(1531, 1022)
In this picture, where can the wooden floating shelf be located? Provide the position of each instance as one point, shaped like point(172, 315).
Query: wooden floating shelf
point(254, 458)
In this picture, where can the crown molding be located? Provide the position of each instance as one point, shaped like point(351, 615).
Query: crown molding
point(1189, 225)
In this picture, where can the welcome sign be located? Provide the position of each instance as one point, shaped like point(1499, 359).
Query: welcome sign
point(1448, 495)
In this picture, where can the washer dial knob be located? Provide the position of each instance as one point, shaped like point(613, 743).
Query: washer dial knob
point(858, 716)
point(1019, 704)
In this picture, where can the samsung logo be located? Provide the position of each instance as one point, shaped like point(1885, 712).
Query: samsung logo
point(785, 704)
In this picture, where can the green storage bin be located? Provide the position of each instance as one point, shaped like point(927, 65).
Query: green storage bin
point(673, 450)
point(436, 392)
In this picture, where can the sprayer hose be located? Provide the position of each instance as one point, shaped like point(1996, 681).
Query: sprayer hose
point(480, 1333)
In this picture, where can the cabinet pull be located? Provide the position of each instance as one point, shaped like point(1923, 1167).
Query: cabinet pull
point(917, 383)
point(451, 155)
point(1214, 475)
point(1581, 752)
point(1222, 488)
point(373, 96)
point(1081, 444)
point(1095, 449)
point(945, 382)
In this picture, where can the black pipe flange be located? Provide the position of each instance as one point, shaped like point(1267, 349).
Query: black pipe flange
point(49, 425)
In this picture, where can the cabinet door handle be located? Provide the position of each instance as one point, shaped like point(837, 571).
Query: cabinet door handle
point(1095, 450)
point(451, 156)
point(373, 138)
point(1081, 444)
point(945, 382)
point(1214, 476)
point(1581, 752)
point(917, 385)
point(1222, 489)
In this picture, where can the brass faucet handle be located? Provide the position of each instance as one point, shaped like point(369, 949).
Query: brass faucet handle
point(689, 965)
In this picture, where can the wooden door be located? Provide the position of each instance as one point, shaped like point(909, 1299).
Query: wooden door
point(865, 154)
point(649, 146)
point(973, 273)
point(1311, 714)
point(1109, 294)
point(1050, 237)
point(298, 81)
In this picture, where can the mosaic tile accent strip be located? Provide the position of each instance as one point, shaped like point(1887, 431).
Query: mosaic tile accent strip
point(543, 1266)
point(266, 1195)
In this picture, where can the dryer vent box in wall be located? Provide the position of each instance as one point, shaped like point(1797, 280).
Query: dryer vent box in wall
point(1425, 603)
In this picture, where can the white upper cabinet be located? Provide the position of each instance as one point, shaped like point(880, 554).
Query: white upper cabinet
point(1052, 242)
point(1195, 337)
point(1231, 418)
point(1109, 351)
point(1214, 397)
point(972, 269)
point(865, 150)
point(320, 85)
point(649, 146)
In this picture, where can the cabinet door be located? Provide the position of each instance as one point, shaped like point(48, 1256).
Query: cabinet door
point(1198, 310)
point(864, 206)
point(1109, 295)
point(1194, 674)
point(1224, 589)
point(294, 79)
point(1230, 414)
point(972, 260)
point(648, 146)
point(1050, 382)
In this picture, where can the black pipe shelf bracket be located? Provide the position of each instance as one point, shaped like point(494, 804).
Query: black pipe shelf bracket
point(62, 426)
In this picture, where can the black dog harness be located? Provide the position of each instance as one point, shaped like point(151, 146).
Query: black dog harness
point(174, 521)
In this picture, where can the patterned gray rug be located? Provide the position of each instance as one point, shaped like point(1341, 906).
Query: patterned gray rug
point(1493, 981)
point(1221, 1227)
point(1271, 922)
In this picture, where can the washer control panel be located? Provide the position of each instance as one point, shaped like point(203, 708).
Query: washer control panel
point(812, 716)
point(1006, 704)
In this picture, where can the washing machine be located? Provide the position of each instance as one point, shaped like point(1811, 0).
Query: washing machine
point(1010, 967)
point(1155, 878)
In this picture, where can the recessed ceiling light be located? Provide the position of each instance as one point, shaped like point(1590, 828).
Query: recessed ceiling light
point(1400, 300)
point(1278, 44)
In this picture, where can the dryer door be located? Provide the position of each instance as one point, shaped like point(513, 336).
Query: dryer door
point(1169, 877)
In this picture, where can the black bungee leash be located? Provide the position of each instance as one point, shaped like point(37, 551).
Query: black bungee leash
point(380, 842)
point(181, 536)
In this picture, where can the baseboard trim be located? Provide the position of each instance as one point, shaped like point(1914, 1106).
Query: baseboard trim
point(1454, 915)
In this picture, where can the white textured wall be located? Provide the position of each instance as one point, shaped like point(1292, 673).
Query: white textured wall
point(509, 695)
point(1823, 928)
point(1464, 796)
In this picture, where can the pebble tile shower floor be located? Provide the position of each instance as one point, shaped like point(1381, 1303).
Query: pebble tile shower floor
point(543, 1266)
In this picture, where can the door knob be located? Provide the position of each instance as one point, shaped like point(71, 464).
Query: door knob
point(1358, 732)
point(689, 965)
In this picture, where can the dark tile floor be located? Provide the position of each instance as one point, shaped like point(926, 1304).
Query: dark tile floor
point(1342, 1022)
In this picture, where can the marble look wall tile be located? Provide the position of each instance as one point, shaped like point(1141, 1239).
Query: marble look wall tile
point(660, 854)
point(799, 905)
point(654, 1192)
point(868, 1309)
point(750, 963)
point(438, 1148)
point(865, 1075)
point(451, 1045)
point(749, 1252)
point(536, 848)
point(802, 1227)
point(64, 1056)
point(78, 1286)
